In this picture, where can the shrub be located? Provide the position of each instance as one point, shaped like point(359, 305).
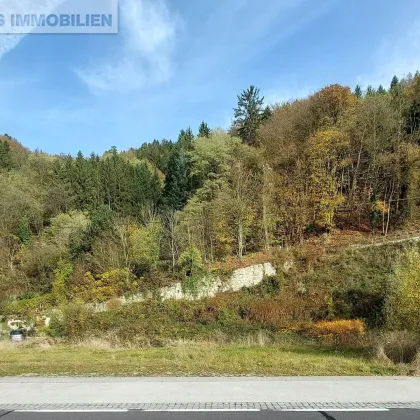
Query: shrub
point(60, 286)
point(73, 322)
point(269, 286)
point(286, 310)
point(29, 307)
point(360, 304)
point(339, 331)
point(114, 304)
point(399, 346)
point(112, 284)
point(403, 302)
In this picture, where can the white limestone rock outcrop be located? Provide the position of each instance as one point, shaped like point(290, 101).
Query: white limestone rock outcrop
point(242, 277)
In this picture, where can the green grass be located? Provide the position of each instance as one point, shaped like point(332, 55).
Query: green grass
point(197, 360)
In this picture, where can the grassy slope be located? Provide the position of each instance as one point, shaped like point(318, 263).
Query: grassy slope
point(188, 361)
point(366, 269)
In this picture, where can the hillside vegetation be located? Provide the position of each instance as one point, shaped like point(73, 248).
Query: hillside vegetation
point(302, 184)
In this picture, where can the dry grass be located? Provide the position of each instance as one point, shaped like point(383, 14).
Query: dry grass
point(186, 359)
point(233, 263)
point(400, 347)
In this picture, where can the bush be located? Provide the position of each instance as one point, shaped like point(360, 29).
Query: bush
point(113, 284)
point(29, 307)
point(360, 304)
point(113, 304)
point(286, 310)
point(339, 331)
point(399, 346)
point(73, 322)
point(270, 286)
point(403, 302)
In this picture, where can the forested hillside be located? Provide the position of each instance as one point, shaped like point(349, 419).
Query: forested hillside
point(93, 228)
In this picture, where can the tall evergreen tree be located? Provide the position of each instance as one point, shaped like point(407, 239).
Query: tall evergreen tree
point(358, 92)
point(381, 90)
point(249, 115)
point(158, 153)
point(267, 113)
point(186, 139)
point(370, 91)
point(394, 82)
point(204, 130)
point(177, 182)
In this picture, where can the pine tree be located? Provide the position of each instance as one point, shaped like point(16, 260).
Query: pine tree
point(394, 82)
point(177, 182)
point(381, 90)
point(24, 230)
point(370, 91)
point(204, 130)
point(186, 139)
point(249, 115)
point(266, 115)
point(358, 92)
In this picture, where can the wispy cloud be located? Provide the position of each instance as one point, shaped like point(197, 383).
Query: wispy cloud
point(282, 95)
point(10, 41)
point(398, 55)
point(147, 31)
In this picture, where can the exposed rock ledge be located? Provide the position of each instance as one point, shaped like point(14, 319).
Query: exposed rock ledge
point(242, 277)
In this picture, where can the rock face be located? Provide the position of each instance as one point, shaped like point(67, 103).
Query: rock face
point(242, 277)
point(249, 276)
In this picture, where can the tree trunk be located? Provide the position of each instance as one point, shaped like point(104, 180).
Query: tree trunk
point(240, 241)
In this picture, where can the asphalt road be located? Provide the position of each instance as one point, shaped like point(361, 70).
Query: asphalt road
point(201, 390)
point(262, 415)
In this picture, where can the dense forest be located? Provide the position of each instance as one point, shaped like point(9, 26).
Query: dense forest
point(92, 228)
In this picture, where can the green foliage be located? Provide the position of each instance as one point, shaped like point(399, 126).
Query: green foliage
point(270, 286)
point(72, 321)
point(94, 228)
point(204, 130)
point(394, 83)
point(177, 182)
point(113, 284)
point(31, 306)
point(355, 283)
point(186, 139)
point(403, 301)
point(19, 198)
point(145, 246)
point(358, 92)
point(191, 262)
point(249, 115)
point(158, 153)
point(60, 288)
point(24, 230)
point(5, 156)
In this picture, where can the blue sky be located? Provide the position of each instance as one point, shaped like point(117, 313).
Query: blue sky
point(178, 62)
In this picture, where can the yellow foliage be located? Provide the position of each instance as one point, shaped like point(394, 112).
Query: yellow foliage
point(112, 284)
point(338, 331)
point(333, 102)
point(380, 206)
point(327, 153)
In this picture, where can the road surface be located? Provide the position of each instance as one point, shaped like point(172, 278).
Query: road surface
point(210, 398)
point(203, 390)
point(264, 415)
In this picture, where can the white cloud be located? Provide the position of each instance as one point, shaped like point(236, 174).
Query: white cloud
point(282, 95)
point(9, 42)
point(147, 32)
point(399, 56)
